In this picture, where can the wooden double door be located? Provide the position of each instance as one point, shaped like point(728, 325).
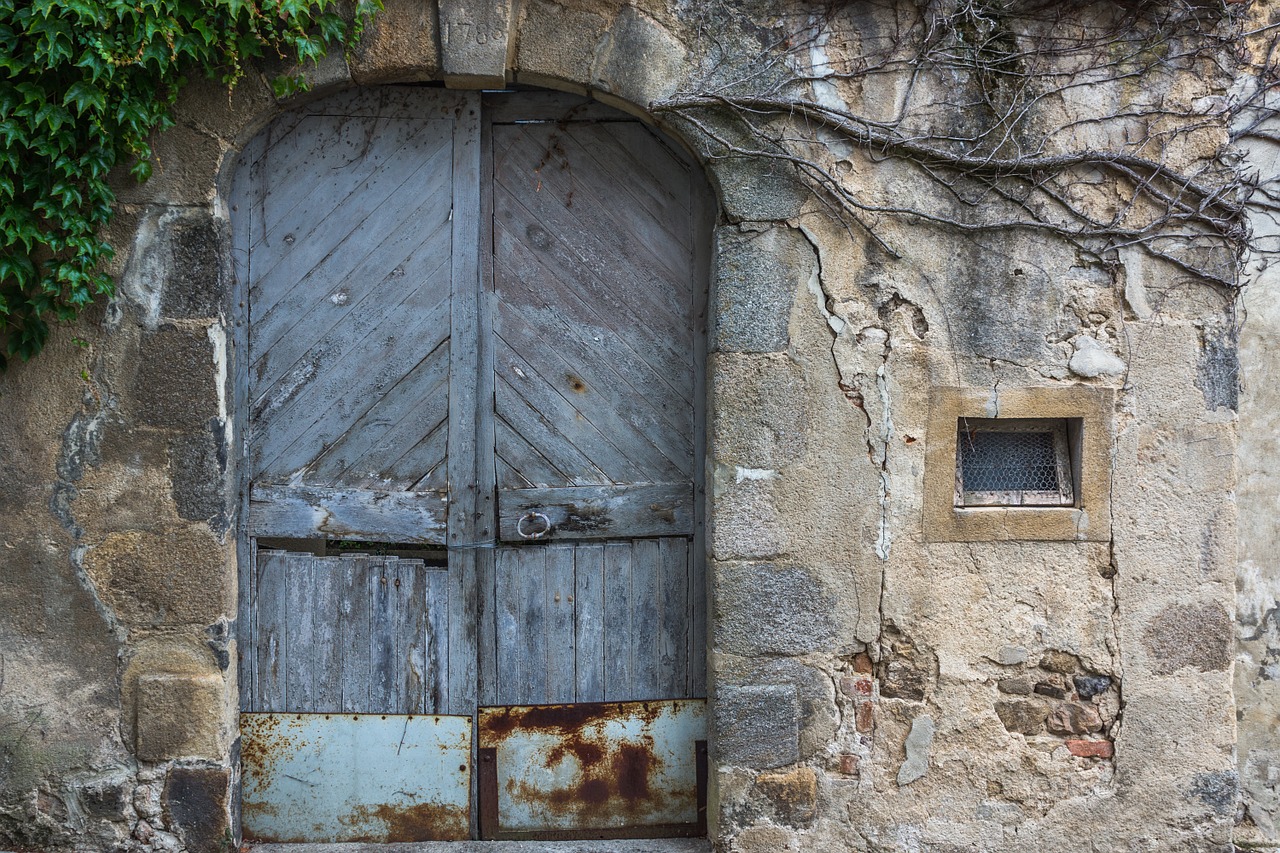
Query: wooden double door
point(471, 374)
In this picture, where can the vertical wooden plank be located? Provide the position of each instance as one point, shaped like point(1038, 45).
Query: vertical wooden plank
point(561, 680)
point(299, 635)
point(673, 639)
point(463, 405)
point(588, 609)
point(240, 207)
point(271, 650)
point(354, 611)
point(532, 639)
point(702, 214)
point(326, 634)
point(384, 695)
point(618, 644)
point(411, 630)
point(436, 641)
point(646, 562)
point(508, 637)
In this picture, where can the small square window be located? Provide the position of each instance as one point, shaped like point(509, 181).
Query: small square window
point(1015, 462)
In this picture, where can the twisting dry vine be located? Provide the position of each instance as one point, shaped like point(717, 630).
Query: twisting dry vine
point(1109, 124)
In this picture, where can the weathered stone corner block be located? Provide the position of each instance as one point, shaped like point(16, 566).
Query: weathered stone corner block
point(178, 717)
point(759, 727)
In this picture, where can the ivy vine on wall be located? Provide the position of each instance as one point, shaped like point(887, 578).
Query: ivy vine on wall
point(83, 86)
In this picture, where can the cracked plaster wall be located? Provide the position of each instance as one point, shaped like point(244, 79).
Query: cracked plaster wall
point(872, 689)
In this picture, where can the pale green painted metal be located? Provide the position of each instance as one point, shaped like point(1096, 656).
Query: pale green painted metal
point(355, 777)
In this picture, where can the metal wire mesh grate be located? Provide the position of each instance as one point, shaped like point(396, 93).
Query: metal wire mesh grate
point(1008, 461)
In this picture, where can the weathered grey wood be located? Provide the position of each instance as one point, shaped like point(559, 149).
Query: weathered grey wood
point(528, 382)
point(464, 527)
point(516, 416)
point(300, 645)
point(579, 265)
point(555, 107)
point(646, 676)
point(589, 623)
point(582, 338)
point(271, 634)
point(632, 155)
point(326, 633)
point(354, 612)
point(304, 512)
point(703, 218)
point(619, 623)
point(345, 208)
point(615, 250)
point(532, 639)
point(436, 642)
point(385, 654)
point(673, 641)
point(561, 644)
point(324, 406)
point(508, 629)
point(599, 512)
point(372, 453)
point(633, 422)
point(412, 664)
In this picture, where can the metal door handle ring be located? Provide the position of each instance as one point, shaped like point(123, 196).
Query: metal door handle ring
point(531, 516)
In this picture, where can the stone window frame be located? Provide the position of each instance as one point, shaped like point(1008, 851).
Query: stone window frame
point(1087, 520)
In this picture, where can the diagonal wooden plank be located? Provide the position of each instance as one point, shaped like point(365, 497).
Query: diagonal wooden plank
point(574, 250)
point(335, 175)
point(654, 179)
point(629, 236)
point(434, 447)
point(631, 420)
point(534, 467)
point(649, 355)
point(597, 283)
point(415, 405)
point(341, 230)
point(516, 415)
point(286, 434)
point(530, 383)
point(343, 281)
point(602, 177)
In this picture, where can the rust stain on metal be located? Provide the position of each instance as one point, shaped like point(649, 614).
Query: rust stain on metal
point(421, 822)
point(613, 775)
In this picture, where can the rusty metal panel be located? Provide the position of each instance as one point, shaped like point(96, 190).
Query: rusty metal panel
point(593, 770)
point(355, 777)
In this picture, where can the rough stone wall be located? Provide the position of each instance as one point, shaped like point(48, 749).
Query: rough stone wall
point(873, 688)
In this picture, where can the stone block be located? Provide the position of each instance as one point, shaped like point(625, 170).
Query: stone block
point(758, 726)
point(474, 38)
point(557, 43)
point(791, 797)
point(638, 61)
point(1017, 686)
point(175, 383)
point(197, 463)
point(175, 577)
point(758, 274)
point(179, 716)
point(198, 272)
point(398, 45)
point(1025, 718)
point(196, 806)
point(764, 608)
point(759, 410)
point(1190, 635)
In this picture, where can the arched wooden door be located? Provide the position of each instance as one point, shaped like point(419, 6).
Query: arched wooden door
point(472, 373)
